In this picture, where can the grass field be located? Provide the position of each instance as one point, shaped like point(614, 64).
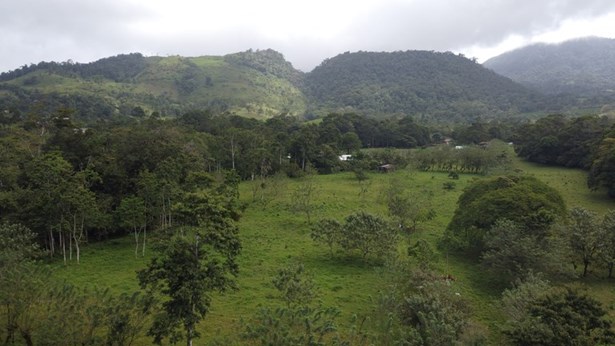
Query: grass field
point(273, 235)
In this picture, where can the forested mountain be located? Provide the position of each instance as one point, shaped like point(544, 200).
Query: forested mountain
point(261, 84)
point(428, 84)
point(252, 83)
point(584, 67)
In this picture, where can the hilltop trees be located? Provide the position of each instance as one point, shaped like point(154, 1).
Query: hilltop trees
point(441, 86)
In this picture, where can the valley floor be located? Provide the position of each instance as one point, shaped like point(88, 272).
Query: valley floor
point(274, 235)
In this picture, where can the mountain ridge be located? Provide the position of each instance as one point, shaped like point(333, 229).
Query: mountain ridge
point(581, 67)
point(439, 84)
point(260, 84)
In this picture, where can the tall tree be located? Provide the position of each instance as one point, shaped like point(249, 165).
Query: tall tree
point(295, 285)
point(608, 251)
point(408, 208)
point(511, 251)
point(326, 231)
point(369, 234)
point(302, 199)
point(191, 265)
point(47, 179)
point(131, 213)
point(80, 207)
point(586, 237)
point(303, 145)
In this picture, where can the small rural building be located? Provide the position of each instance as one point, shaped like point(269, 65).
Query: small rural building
point(345, 157)
point(386, 168)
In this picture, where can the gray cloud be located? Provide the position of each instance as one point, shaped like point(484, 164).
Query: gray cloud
point(86, 30)
point(34, 31)
point(450, 25)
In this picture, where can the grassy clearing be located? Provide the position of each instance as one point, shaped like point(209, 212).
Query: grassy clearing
point(571, 183)
point(110, 264)
point(273, 235)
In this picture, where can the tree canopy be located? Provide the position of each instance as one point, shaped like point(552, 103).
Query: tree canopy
point(525, 200)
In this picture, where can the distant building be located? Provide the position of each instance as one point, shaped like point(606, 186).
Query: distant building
point(386, 168)
point(345, 157)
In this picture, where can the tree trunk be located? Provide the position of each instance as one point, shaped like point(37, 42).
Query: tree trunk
point(303, 162)
point(144, 236)
point(162, 214)
point(63, 243)
point(144, 232)
point(27, 338)
point(75, 238)
point(170, 224)
point(51, 243)
point(136, 241)
point(189, 337)
point(585, 265)
point(233, 151)
point(10, 327)
point(70, 246)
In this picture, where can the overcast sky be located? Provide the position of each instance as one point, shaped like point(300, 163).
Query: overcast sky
point(305, 31)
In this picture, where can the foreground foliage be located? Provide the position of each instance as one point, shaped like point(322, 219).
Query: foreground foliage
point(541, 315)
point(72, 316)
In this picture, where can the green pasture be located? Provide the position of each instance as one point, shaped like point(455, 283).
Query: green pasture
point(273, 235)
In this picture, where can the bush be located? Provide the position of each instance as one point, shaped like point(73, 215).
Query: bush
point(524, 200)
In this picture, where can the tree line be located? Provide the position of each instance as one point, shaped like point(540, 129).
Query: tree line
point(584, 142)
point(87, 177)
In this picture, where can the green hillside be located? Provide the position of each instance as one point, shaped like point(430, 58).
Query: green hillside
point(253, 84)
point(260, 84)
point(583, 67)
point(430, 84)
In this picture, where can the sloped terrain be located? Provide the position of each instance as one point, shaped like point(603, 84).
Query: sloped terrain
point(584, 67)
point(261, 84)
point(441, 85)
point(241, 83)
